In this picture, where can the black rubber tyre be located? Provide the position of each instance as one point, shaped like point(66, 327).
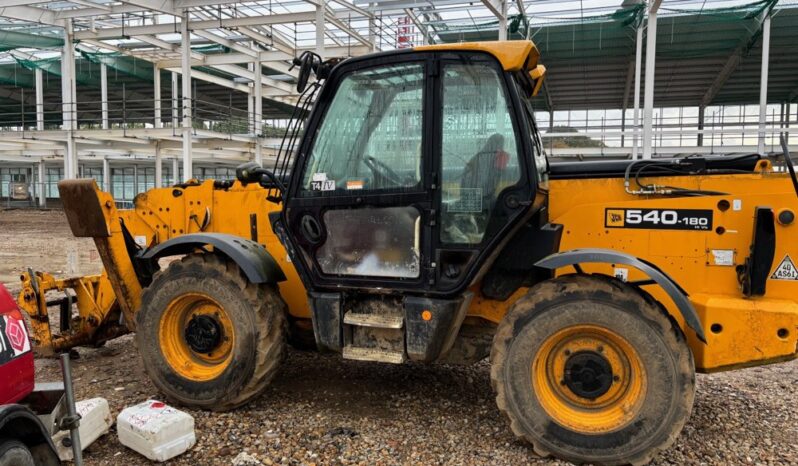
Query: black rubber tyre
point(524, 375)
point(256, 315)
point(15, 453)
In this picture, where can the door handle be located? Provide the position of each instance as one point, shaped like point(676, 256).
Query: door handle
point(310, 228)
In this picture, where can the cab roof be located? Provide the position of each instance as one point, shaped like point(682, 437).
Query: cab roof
point(514, 55)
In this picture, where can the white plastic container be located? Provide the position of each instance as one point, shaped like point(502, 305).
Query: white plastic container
point(95, 421)
point(156, 430)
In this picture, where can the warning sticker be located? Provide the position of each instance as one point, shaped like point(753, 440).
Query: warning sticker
point(785, 270)
point(354, 184)
point(14, 340)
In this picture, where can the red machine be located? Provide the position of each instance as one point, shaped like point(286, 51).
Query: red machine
point(29, 414)
point(16, 358)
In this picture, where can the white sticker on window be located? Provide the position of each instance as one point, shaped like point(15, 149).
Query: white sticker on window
point(464, 200)
point(319, 177)
point(325, 185)
point(723, 256)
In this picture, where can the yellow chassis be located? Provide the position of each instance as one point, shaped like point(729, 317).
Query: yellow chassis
point(755, 330)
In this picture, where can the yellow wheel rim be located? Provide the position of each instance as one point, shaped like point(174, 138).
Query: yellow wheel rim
point(196, 337)
point(571, 382)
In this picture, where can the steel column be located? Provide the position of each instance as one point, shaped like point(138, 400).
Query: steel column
point(258, 110)
point(320, 28)
point(107, 175)
point(636, 114)
point(175, 170)
point(763, 84)
point(186, 72)
point(39, 100)
point(175, 104)
point(372, 29)
point(104, 94)
point(156, 102)
point(503, 20)
point(648, 97)
point(251, 103)
point(42, 185)
point(701, 111)
point(158, 166)
point(68, 96)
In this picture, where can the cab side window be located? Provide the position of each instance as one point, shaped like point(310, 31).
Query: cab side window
point(370, 137)
point(479, 153)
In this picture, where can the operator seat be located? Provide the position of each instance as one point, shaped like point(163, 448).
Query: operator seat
point(483, 173)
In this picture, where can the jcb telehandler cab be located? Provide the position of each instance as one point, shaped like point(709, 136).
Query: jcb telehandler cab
point(420, 191)
point(421, 221)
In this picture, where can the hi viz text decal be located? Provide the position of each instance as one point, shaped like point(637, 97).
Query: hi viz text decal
point(659, 219)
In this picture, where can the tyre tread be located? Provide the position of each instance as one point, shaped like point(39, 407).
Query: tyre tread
point(269, 312)
point(650, 309)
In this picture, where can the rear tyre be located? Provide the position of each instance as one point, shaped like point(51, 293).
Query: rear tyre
point(209, 338)
point(14, 453)
point(589, 369)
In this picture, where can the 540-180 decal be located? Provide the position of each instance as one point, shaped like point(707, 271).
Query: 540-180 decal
point(659, 219)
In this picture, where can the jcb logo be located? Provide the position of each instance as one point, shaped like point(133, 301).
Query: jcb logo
point(615, 218)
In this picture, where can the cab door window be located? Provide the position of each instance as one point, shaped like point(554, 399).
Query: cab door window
point(370, 137)
point(478, 151)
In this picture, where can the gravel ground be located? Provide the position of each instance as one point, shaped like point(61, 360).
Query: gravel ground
point(323, 410)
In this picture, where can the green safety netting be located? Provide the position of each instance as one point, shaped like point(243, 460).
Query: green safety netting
point(681, 33)
point(87, 64)
point(591, 36)
point(10, 40)
point(131, 66)
point(710, 32)
point(17, 76)
point(84, 75)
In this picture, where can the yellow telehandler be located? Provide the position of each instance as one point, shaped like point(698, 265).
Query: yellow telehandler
point(419, 219)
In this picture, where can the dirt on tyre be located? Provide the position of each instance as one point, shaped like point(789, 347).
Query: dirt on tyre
point(209, 338)
point(15, 453)
point(592, 370)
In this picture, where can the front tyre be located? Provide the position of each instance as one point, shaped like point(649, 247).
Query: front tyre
point(15, 453)
point(589, 370)
point(209, 338)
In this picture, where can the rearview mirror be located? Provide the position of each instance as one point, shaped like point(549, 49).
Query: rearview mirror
point(538, 74)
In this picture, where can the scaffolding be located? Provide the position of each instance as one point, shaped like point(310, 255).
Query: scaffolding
point(176, 89)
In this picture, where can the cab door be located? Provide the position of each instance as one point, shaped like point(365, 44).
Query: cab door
point(410, 173)
point(359, 209)
point(486, 182)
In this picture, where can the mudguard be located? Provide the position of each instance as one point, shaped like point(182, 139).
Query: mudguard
point(255, 261)
point(606, 256)
point(20, 423)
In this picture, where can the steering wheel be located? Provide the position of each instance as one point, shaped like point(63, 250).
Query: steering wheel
point(382, 171)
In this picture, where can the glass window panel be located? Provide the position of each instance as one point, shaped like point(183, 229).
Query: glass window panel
point(374, 242)
point(479, 154)
point(371, 134)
